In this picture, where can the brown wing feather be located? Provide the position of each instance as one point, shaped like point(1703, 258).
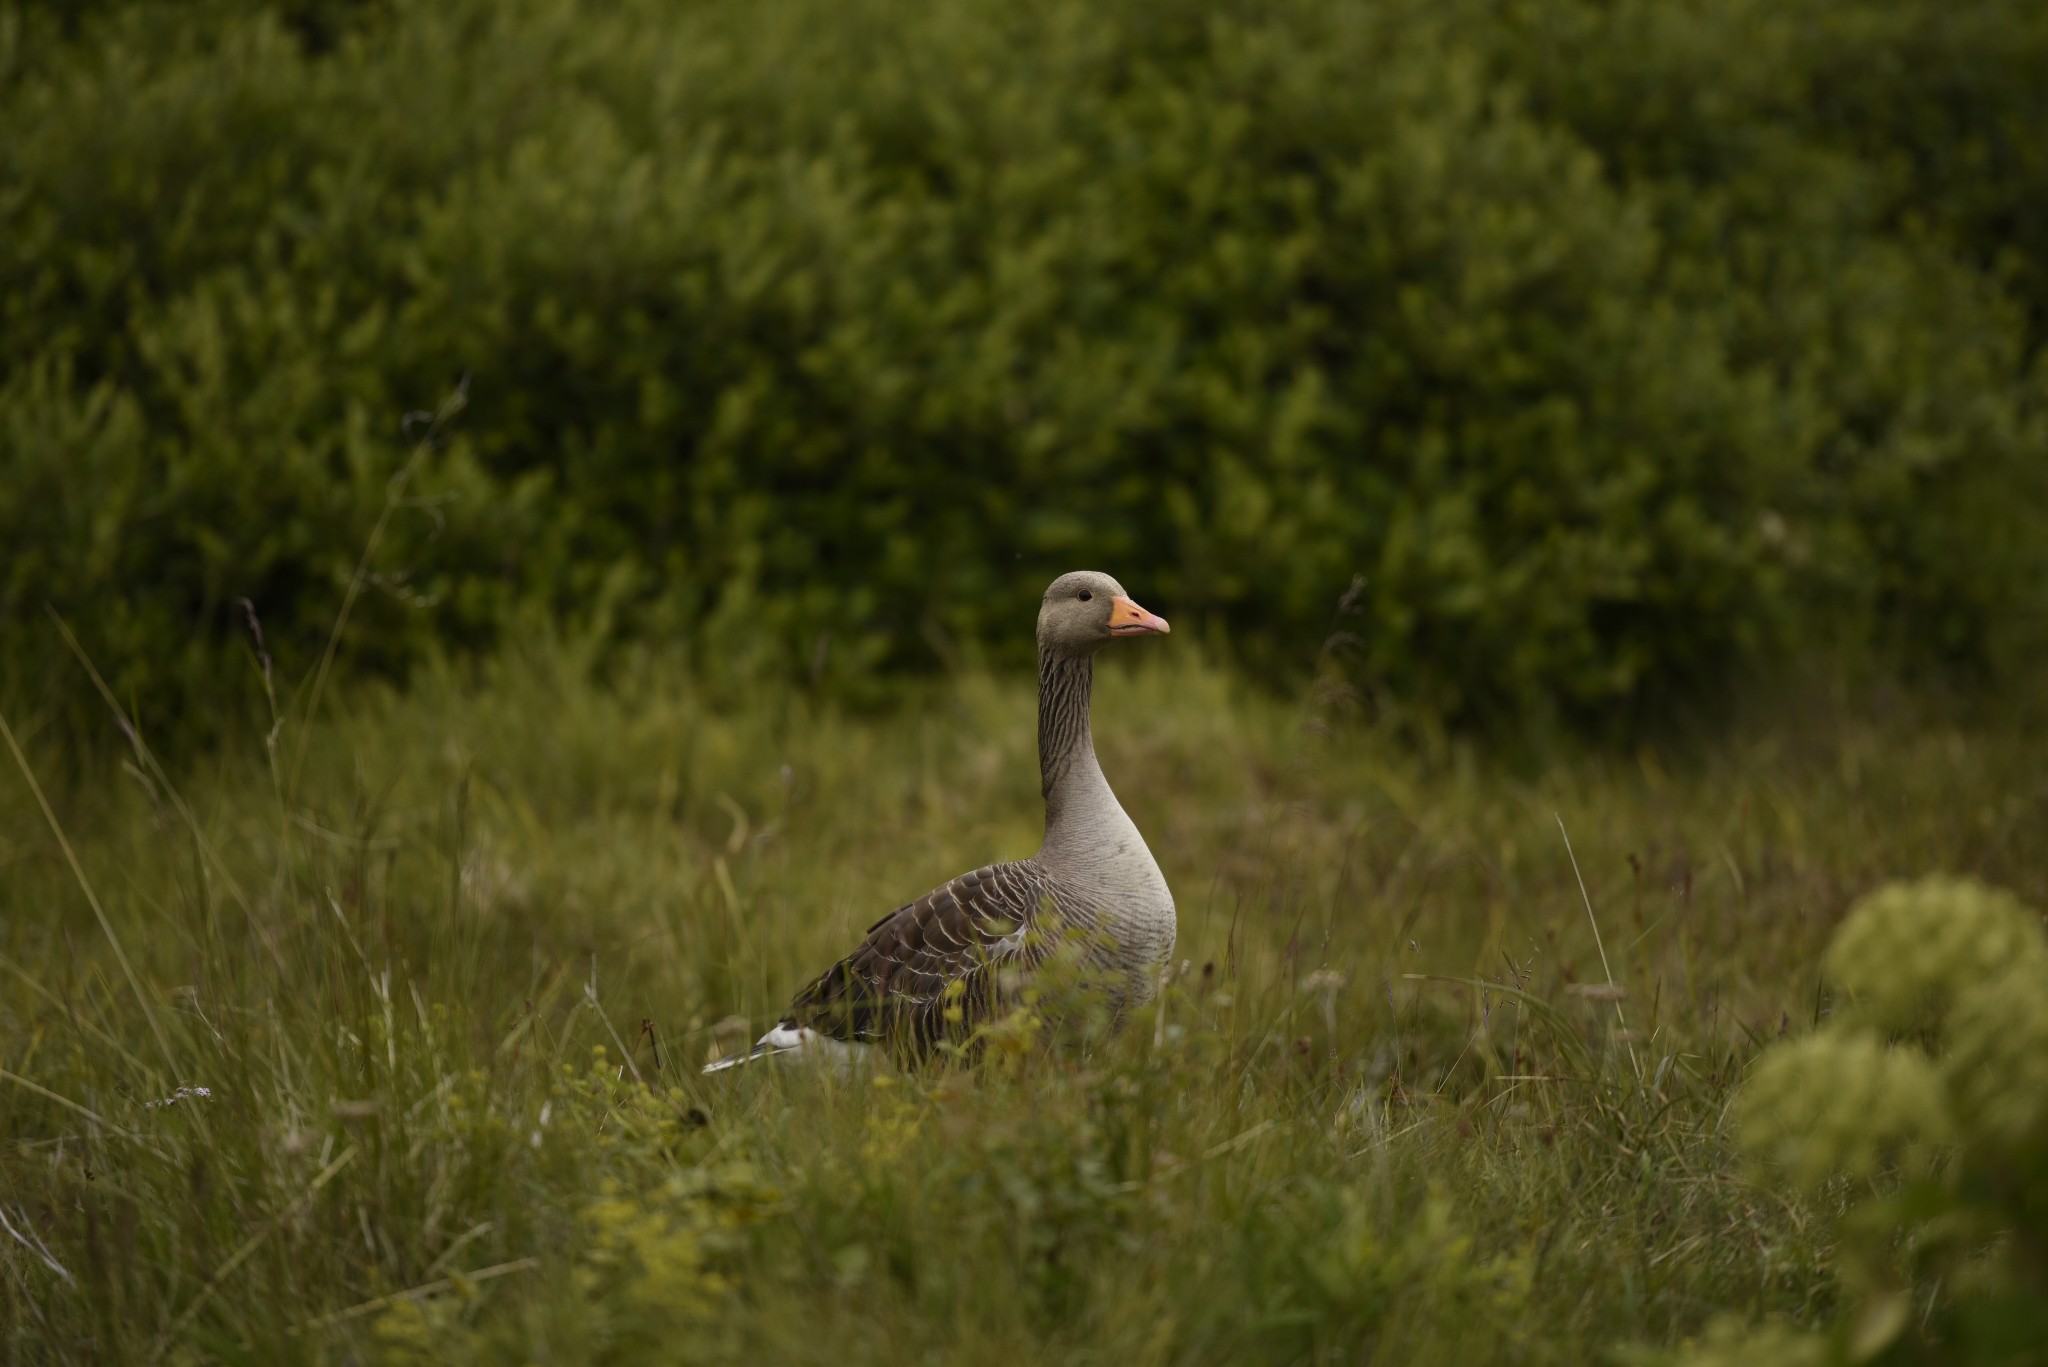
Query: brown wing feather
point(897, 984)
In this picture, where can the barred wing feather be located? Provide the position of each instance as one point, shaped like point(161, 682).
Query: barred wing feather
point(900, 983)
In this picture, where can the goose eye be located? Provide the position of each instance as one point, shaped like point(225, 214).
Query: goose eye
point(1085, 595)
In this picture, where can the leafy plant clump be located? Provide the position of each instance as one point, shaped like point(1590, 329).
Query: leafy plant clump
point(1924, 1107)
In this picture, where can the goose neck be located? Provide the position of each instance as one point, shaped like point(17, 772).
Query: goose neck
point(1066, 748)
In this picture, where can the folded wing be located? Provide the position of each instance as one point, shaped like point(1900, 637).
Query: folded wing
point(936, 966)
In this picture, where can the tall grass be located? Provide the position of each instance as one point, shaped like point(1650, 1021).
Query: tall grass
point(404, 1067)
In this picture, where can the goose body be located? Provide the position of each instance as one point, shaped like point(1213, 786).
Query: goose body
point(1092, 897)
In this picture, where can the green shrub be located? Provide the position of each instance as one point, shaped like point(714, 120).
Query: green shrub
point(1945, 1265)
point(821, 335)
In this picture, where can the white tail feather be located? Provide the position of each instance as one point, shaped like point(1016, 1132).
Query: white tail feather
point(789, 1038)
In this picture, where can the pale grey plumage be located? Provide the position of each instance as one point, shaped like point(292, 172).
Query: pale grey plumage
point(936, 967)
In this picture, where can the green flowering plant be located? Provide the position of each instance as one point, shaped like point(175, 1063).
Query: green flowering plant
point(1922, 1105)
point(1841, 1104)
point(1909, 951)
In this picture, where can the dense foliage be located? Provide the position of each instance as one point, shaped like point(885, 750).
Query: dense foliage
point(1619, 345)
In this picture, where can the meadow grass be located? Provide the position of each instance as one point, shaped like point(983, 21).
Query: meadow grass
point(447, 984)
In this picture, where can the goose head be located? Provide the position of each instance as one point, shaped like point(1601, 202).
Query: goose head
point(1086, 609)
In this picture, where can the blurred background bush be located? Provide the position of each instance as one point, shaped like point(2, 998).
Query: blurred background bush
point(1623, 347)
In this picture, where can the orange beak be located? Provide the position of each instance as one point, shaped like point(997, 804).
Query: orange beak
point(1128, 619)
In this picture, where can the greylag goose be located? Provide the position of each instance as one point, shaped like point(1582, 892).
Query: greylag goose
point(935, 968)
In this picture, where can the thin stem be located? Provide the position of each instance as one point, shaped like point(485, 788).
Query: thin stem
point(1595, 922)
point(394, 498)
point(92, 898)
